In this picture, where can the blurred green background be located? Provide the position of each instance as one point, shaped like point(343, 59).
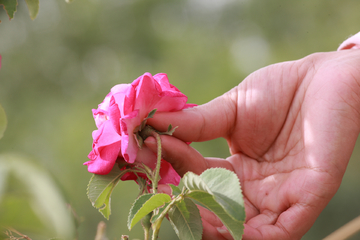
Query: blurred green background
point(58, 67)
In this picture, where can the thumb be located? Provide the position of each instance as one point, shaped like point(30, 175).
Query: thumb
point(205, 122)
point(351, 43)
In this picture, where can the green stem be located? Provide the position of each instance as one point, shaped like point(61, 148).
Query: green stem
point(156, 229)
point(156, 225)
point(158, 163)
point(146, 234)
point(146, 224)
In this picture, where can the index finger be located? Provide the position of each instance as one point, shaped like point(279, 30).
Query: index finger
point(201, 123)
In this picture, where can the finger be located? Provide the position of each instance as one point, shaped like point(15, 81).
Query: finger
point(289, 225)
point(225, 233)
point(164, 188)
point(183, 157)
point(351, 43)
point(265, 218)
point(212, 221)
point(209, 121)
point(210, 217)
point(210, 232)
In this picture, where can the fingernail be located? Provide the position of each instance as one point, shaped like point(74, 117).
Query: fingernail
point(225, 233)
point(151, 143)
point(222, 230)
point(164, 188)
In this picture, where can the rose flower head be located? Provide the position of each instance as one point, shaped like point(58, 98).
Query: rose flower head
point(118, 119)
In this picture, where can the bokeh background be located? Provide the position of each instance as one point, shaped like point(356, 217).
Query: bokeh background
point(58, 67)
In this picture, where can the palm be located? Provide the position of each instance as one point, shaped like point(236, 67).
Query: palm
point(291, 129)
point(288, 150)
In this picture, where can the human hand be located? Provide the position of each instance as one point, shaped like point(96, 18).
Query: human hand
point(291, 128)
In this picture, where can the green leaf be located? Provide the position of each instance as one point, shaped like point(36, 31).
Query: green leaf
point(146, 221)
point(229, 197)
point(171, 130)
point(215, 200)
point(100, 188)
point(175, 190)
point(145, 204)
point(3, 122)
point(160, 210)
point(186, 221)
point(151, 114)
point(236, 228)
point(33, 6)
point(194, 182)
point(139, 140)
point(10, 7)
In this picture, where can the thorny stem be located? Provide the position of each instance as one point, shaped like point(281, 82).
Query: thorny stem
point(158, 162)
point(11, 230)
point(100, 233)
point(146, 234)
point(156, 225)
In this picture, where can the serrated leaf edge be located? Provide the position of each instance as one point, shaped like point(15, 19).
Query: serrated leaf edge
point(37, 9)
point(130, 221)
point(213, 194)
point(116, 179)
point(4, 7)
point(185, 220)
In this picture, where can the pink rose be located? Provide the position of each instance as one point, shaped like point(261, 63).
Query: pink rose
point(117, 118)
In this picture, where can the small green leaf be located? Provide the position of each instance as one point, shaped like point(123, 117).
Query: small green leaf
point(175, 190)
point(171, 131)
point(33, 6)
point(194, 182)
point(151, 114)
point(145, 221)
point(10, 7)
point(216, 200)
point(144, 205)
point(236, 228)
point(139, 140)
point(155, 217)
point(229, 197)
point(186, 221)
point(3, 122)
point(142, 185)
point(100, 188)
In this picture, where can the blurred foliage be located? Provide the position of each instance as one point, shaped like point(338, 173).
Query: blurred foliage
point(58, 67)
point(10, 6)
point(3, 121)
point(30, 198)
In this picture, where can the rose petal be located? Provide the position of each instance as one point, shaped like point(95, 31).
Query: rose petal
point(147, 94)
point(129, 147)
point(168, 174)
point(105, 151)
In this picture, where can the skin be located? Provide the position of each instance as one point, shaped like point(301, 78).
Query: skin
point(291, 128)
